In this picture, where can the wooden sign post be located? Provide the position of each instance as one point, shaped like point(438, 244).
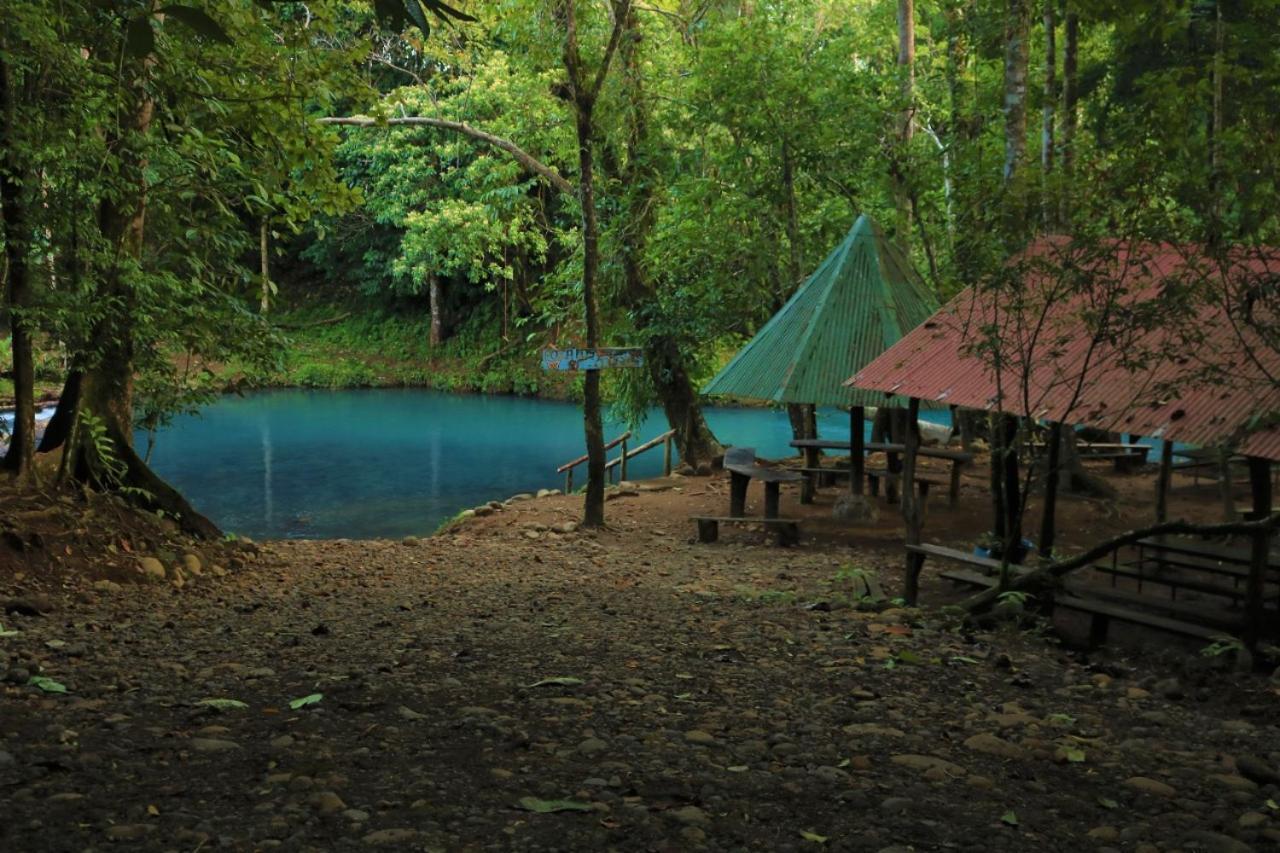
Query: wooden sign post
point(600, 358)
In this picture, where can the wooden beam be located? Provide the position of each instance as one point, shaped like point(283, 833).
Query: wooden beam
point(1048, 514)
point(912, 504)
point(1164, 481)
point(857, 458)
point(1260, 485)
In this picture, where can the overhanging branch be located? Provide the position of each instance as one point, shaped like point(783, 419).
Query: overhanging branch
point(521, 156)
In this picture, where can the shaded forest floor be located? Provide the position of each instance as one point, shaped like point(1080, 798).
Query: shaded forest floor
point(655, 693)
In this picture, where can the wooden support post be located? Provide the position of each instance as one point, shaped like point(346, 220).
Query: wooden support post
point(738, 494)
point(1012, 485)
point(893, 463)
point(1260, 485)
point(771, 499)
point(708, 530)
point(568, 482)
point(623, 463)
point(857, 452)
point(997, 476)
point(1048, 514)
point(1163, 482)
point(1225, 486)
point(666, 456)
point(912, 511)
point(812, 457)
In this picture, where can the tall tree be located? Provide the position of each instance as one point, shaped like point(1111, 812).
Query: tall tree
point(1016, 56)
point(584, 91)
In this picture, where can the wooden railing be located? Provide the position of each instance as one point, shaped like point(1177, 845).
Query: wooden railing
point(619, 463)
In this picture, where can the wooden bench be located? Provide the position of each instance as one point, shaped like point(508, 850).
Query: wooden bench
point(740, 462)
point(986, 578)
point(787, 530)
point(1102, 612)
point(923, 482)
point(1173, 583)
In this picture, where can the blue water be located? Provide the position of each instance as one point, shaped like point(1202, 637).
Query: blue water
point(391, 463)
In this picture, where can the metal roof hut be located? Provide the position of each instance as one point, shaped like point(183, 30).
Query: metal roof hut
point(860, 301)
point(1210, 382)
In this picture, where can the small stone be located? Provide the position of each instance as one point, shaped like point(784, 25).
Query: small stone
point(1169, 688)
point(523, 496)
point(693, 835)
point(501, 774)
point(1231, 780)
point(107, 586)
point(1214, 842)
point(5, 758)
point(1257, 770)
point(690, 816)
point(327, 802)
point(407, 713)
point(210, 744)
point(386, 837)
point(482, 511)
point(356, 815)
point(700, 738)
point(928, 762)
point(564, 527)
point(1104, 834)
point(991, 745)
point(592, 746)
point(282, 742)
point(128, 832)
point(532, 534)
point(151, 568)
point(411, 541)
point(1151, 786)
point(1137, 693)
point(192, 565)
point(1252, 820)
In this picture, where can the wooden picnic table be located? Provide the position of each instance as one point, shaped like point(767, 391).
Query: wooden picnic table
point(813, 446)
point(740, 462)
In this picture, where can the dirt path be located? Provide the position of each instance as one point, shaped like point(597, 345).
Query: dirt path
point(673, 696)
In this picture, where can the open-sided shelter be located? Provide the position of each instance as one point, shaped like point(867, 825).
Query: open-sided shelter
point(1151, 340)
point(859, 301)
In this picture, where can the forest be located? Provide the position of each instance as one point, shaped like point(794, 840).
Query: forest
point(188, 191)
point(968, 311)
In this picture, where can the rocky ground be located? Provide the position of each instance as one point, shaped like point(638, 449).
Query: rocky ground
point(518, 684)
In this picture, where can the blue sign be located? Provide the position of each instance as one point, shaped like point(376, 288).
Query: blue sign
point(592, 359)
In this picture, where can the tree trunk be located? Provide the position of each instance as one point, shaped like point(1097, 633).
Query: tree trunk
point(437, 309)
point(264, 257)
point(1017, 32)
point(906, 120)
point(665, 361)
point(1048, 209)
point(20, 458)
point(1049, 511)
point(1070, 49)
point(912, 509)
point(585, 94)
point(106, 386)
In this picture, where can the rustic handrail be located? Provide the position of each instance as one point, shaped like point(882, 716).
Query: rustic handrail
point(583, 458)
point(665, 439)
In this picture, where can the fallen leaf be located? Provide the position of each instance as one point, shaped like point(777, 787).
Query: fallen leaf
point(814, 837)
point(1108, 803)
point(1009, 818)
point(304, 701)
point(48, 685)
point(223, 704)
point(13, 633)
point(533, 804)
point(557, 681)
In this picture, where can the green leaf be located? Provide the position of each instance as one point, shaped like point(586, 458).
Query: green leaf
point(444, 10)
point(1075, 756)
point(814, 837)
point(223, 704)
point(3, 633)
point(1271, 804)
point(48, 685)
point(963, 659)
point(139, 39)
point(1009, 818)
point(198, 21)
point(533, 804)
point(908, 656)
point(304, 701)
point(391, 13)
point(1108, 803)
point(557, 681)
point(415, 13)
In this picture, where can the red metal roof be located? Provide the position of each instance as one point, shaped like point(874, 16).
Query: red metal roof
point(1097, 343)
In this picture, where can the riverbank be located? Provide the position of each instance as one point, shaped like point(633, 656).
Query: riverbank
point(521, 684)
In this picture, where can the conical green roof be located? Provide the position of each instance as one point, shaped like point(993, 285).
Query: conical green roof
point(858, 303)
